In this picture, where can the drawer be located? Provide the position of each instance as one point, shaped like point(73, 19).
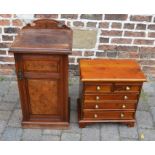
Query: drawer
point(127, 87)
point(108, 115)
point(110, 105)
point(41, 63)
point(97, 87)
point(114, 96)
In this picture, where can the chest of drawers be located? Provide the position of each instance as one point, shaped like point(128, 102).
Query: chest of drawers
point(109, 91)
point(41, 57)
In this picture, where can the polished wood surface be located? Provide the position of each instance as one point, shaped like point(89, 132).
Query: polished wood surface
point(43, 36)
point(109, 91)
point(41, 63)
point(93, 87)
point(42, 73)
point(115, 115)
point(123, 87)
point(110, 70)
point(41, 102)
point(46, 24)
point(110, 96)
point(107, 105)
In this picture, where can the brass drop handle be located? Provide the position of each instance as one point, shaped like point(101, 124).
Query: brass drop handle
point(95, 116)
point(128, 88)
point(98, 88)
point(125, 97)
point(96, 106)
point(122, 115)
point(97, 97)
point(123, 106)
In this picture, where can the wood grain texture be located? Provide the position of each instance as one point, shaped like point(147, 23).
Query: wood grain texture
point(110, 96)
point(83, 122)
point(107, 115)
point(92, 87)
point(43, 96)
point(122, 88)
point(110, 91)
point(110, 70)
point(43, 36)
point(108, 105)
point(46, 24)
point(41, 58)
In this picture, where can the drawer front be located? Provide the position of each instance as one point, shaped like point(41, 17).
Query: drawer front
point(110, 105)
point(127, 87)
point(101, 98)
point(41, 63)
point(108, 115)
point(97, 87)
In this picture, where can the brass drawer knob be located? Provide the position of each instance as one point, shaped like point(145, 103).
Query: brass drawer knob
point(96, 106)
point(97, 97)
point(125, 97)
point(128, 88)
point(123, 106)
point(122, 115)
point(98, 88)
point(95, 116)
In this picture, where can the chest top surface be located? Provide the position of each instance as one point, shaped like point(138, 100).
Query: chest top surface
point(111, 70)
point(43, 36)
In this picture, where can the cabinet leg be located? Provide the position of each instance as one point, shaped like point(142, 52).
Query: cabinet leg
point(131, 124)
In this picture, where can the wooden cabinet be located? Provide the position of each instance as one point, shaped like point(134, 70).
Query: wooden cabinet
point(41, 57)
point(109, 91)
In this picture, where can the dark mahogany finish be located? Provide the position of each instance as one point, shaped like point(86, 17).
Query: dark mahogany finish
point(41, 57)
point(109, 91)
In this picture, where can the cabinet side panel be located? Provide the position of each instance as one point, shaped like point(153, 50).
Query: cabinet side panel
point(64, 83)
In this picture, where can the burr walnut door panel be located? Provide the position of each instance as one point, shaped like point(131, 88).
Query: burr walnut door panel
point(43, 85)
point(43, 98)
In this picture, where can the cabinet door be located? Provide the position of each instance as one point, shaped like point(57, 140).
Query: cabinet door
point(42, 87)
point(43, 96)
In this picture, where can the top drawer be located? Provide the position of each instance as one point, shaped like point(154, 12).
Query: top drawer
point(41, 63)
point(127, 87)
point(97, 87)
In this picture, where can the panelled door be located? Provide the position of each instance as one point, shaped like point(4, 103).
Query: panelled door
point(41, 81)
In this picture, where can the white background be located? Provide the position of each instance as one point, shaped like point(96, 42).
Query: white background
point(78, 6)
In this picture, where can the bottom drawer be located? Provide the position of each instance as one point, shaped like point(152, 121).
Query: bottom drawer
point(108, 115)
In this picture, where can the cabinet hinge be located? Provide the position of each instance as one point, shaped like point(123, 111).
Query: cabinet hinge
point(20, 75)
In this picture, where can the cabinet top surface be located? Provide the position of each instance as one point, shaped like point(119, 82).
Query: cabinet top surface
point(43, 36)
point(110, 70)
